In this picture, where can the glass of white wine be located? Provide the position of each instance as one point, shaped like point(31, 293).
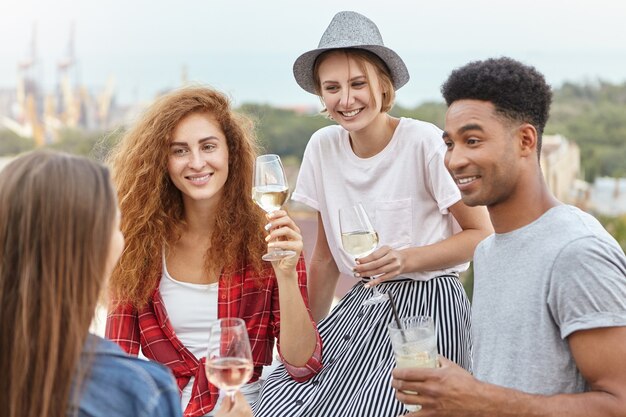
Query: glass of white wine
point(359, 239)
point(270, 191)
point(229, 357)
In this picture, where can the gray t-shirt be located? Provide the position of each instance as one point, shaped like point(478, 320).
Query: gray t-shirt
point(535, 286)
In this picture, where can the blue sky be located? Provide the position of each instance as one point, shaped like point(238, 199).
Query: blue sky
point(246, 48)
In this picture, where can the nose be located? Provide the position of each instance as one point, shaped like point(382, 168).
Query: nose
point(346, 97)
point(196, 161)
point(455, 159)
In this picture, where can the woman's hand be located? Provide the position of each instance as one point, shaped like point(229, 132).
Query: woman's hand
point(284, 234)
point(384, 263)
point(238, 408)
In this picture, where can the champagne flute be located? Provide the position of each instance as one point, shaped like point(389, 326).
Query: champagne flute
point(229, 358)
point(359, 239)
point(270, 191)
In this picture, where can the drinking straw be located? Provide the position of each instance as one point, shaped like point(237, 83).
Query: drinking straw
point(395, 315)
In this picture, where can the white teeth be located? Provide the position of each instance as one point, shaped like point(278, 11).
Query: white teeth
point(351, 113)
point(466, 180)
point(200, 179)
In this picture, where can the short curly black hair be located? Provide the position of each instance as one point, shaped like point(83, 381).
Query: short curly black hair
point(518, 92)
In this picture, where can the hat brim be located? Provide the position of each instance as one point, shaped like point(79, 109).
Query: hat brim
point(303, 67)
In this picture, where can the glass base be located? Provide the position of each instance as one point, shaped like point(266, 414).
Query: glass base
point(277, 255)
point(376, 299)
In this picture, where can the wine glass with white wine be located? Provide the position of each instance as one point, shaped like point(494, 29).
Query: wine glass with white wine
point(270, 191)
point(359, 239)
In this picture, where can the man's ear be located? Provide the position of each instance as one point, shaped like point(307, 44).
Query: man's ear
point(527, 139)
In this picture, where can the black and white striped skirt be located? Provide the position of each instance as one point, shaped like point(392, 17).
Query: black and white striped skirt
point(357, 354)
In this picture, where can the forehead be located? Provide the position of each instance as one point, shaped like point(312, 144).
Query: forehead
point(338, 63)
point(197, 125)
point(463, 113)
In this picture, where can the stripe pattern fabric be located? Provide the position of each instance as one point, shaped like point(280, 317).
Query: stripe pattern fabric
point(357, 353)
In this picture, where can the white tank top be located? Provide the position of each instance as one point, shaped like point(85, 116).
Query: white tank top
point(190, 308)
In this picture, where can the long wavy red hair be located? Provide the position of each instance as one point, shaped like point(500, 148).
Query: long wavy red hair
point(152, 207)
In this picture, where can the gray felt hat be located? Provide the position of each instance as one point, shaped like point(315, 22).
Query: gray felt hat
point(350, 30)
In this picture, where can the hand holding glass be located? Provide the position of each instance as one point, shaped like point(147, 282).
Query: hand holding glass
point(229, 358)
point(359, 239)
point(270, 191)
point(414, 345)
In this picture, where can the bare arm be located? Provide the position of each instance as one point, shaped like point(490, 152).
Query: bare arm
point(455, 250)
point(600, 355)
point(323, 275)
point(298, 337)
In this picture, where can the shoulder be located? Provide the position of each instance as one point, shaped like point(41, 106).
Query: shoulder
point(326, 135)
point(419, 128)
point(585, 248)
point(325, 144)
point(126, 386)
point(111, 363)
point(420, 135)
point(574, 224)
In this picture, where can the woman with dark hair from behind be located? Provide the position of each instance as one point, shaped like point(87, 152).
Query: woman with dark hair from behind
point(59, 224)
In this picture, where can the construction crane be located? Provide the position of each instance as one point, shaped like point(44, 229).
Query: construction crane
point(28, 121)
point(69, 105)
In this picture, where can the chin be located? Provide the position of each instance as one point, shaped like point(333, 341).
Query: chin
point(473, 201)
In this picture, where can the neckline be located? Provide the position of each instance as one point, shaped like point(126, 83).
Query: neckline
point(345, 143)
point(167, 275)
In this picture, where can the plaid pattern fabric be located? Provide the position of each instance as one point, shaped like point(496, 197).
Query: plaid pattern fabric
point(240, 296)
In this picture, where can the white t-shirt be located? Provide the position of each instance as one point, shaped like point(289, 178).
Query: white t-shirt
point(405, 189)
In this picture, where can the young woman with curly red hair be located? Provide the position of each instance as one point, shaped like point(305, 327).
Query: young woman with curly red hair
point(194, 241)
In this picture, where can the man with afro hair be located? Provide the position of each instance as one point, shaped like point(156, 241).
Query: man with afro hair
point(549, 307)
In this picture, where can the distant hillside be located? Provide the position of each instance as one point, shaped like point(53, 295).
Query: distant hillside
point(593, 115)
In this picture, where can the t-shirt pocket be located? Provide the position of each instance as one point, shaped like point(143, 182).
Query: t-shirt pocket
point(394, 222)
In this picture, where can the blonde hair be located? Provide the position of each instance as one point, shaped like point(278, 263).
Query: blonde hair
point(152, 206)
point(56, 220)
point(362, 57)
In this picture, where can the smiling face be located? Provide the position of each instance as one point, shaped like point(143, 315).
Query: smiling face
point(198, 158)
point(352, 94)
point(481, 156)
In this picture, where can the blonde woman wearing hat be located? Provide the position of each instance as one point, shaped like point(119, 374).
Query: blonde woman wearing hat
point(427, 235)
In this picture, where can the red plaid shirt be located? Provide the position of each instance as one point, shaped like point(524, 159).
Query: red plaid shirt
point(241, 296)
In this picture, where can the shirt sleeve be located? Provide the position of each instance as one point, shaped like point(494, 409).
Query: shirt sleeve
point(307, 186)
point(314, 364)
point(122, 327)
point(588, 286)
point(442, 186)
